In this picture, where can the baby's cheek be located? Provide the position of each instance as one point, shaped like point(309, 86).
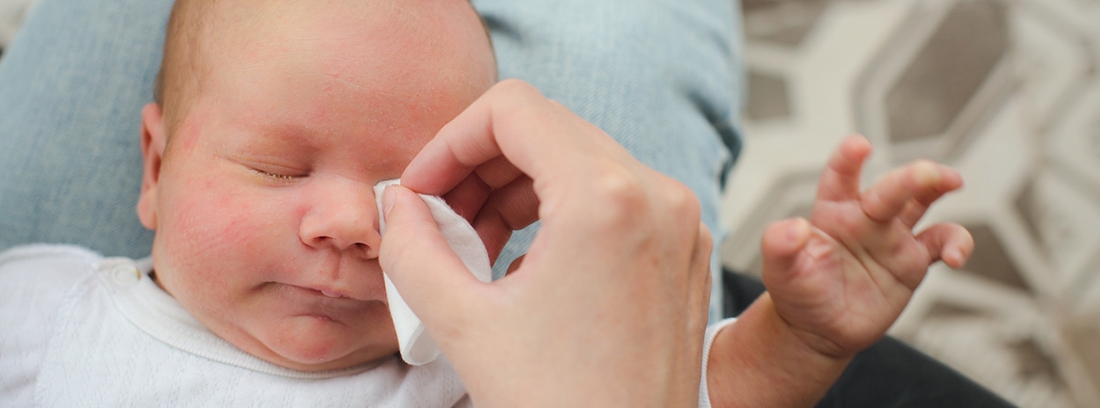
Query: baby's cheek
point(208, 228)
point(215, 260)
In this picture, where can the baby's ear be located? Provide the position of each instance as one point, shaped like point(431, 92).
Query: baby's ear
point(152, 150)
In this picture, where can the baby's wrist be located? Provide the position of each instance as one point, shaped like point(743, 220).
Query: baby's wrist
point(819, 345)
point(761, 361)
point(822, 344)
point(803, 341)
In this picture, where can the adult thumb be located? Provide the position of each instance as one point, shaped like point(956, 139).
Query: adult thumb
point(427, 273)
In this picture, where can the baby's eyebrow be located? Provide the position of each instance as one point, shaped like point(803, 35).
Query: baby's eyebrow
point(272, 138)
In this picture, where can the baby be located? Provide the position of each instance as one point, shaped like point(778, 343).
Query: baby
point(277, 121)
point(272, 125)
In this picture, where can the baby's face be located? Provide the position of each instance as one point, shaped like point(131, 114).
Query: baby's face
point(265, 217)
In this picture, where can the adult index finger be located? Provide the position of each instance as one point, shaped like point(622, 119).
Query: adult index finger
point(514, 120)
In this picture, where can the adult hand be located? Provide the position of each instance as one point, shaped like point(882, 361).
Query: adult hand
point(609, 305)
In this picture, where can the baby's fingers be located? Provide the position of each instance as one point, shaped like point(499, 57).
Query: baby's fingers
point(840, 179)
point(912, 188)
point(780, 246)
point(949, 242)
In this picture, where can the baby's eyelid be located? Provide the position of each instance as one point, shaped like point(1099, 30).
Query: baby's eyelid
point(278, 175)
point(270, 170)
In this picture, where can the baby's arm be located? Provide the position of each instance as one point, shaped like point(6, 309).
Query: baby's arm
point(835, 282)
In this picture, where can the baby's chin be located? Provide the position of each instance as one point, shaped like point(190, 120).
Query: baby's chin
point(315, 343)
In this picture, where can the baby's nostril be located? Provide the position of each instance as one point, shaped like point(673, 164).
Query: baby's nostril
point(361, 246)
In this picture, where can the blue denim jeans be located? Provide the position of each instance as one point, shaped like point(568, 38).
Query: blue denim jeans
point(661, 76)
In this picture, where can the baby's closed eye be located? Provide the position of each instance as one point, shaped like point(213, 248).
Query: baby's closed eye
point(270, 170)
point(278, 175)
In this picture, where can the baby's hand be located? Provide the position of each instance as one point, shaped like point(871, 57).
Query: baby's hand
point(841, 279)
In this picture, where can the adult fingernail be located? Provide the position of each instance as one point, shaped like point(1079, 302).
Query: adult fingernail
point(388, 198)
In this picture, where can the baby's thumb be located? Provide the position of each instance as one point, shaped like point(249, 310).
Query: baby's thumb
point(780, 247)
point(432, 280)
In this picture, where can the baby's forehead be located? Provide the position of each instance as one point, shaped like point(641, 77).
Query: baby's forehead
point(230, 30)
point(347, 16)
point(205, 36)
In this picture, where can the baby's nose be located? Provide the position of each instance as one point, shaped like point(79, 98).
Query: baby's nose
point(343, 217)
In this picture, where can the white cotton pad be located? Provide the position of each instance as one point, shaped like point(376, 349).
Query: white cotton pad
point(417, 346)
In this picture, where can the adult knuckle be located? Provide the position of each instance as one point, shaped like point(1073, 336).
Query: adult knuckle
point(619, 194)
point(682, 200)
point(518, 103)
point(706, 241)
point(516, 87)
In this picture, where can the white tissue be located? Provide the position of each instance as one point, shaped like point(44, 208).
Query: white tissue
point(417, 346)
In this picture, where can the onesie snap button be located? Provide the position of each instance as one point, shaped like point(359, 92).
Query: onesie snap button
point(126, 275)
point(122, 271)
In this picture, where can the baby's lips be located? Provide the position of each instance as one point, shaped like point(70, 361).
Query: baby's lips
point(328, 291)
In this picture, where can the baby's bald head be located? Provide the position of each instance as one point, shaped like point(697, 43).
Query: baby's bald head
point(202, 34)
point(179, 79)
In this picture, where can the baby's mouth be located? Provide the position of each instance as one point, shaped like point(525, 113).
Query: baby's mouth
point(327, 292)
point(312, 290)
point(332, 294)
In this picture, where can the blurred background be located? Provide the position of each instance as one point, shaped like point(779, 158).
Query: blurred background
point(11, 14)
point(1007, 92)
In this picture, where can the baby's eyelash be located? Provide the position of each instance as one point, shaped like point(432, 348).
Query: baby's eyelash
point(282, 178)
